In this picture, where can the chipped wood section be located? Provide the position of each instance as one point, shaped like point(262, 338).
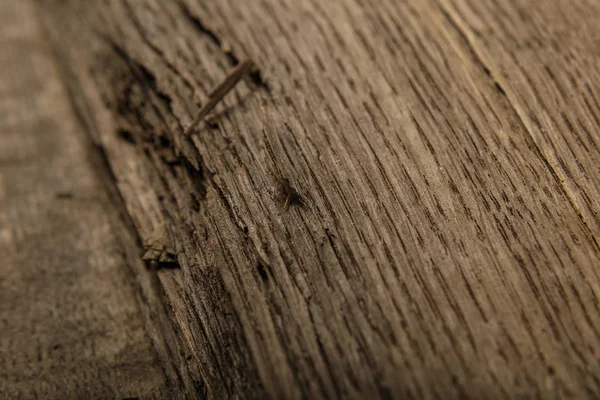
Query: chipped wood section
point(158, 246)
point(445, 154)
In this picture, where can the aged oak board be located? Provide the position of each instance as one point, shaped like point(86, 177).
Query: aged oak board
point(447, 158)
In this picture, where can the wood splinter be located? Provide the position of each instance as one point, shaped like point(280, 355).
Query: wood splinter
point(239, 72)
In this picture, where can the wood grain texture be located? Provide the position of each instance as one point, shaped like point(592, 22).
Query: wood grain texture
point(548, 70)
point(70, 323)
point(446, 156)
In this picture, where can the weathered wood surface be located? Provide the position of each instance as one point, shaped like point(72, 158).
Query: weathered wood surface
point(71, 324)
point(446, 154)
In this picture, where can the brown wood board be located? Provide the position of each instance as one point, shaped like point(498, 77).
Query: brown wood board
point(446, 157)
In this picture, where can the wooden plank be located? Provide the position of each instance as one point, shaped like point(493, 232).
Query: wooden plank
point(438, 252)
point(70, 322)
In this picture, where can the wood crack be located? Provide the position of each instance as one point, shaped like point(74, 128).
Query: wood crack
point(153, 47)
point(203, 29)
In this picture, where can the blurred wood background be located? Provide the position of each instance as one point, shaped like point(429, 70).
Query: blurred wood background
point(441, 241)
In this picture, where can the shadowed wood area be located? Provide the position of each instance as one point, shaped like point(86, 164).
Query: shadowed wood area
point(75, 323)
point(70, 326)
point(402, 203)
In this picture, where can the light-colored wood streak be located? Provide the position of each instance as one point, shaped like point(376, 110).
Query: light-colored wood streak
point(548, 68)
point(446, 242)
